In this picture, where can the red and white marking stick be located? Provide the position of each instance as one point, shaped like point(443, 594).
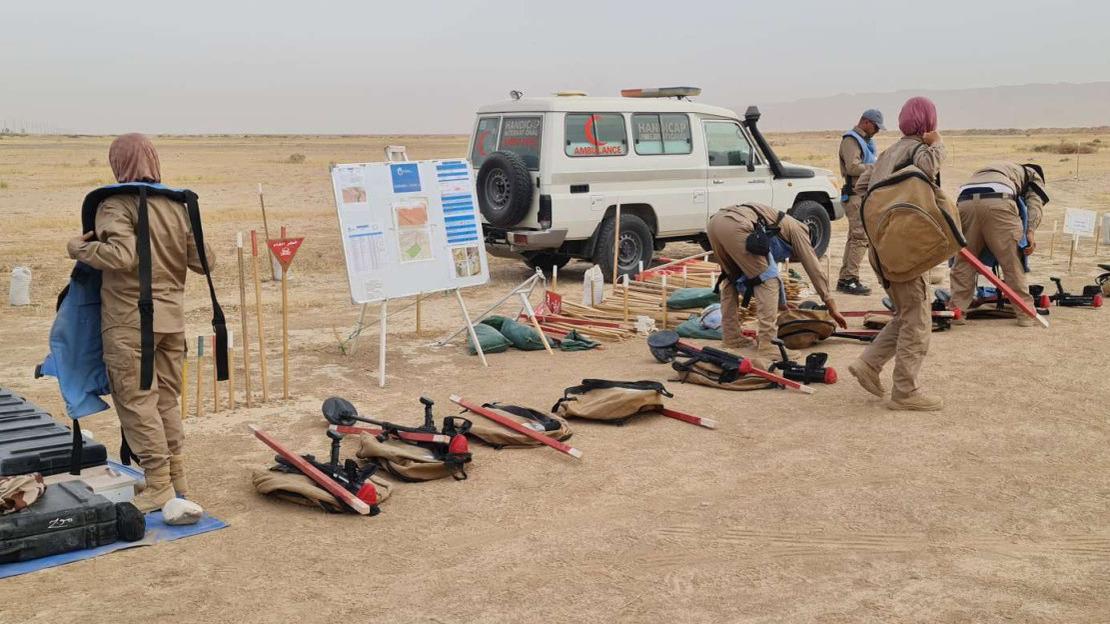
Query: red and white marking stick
point(708, 423)
point(411, 436)
point(515, 426)
point(953, 313)
point(746, 368)
point(1016, 300)
point(311, 472)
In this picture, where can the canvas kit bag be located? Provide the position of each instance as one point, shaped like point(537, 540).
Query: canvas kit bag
point(704, 374)
point(803, 327)
point(500, 436)
point(614, 401)
point(299, 489)
point(412, 462)
point(911, 223)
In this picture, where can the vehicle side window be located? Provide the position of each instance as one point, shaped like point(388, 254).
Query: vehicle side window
point(727, 145)
point(521, 135)
point(661, 134)
point(485, 140)
point(602, 134)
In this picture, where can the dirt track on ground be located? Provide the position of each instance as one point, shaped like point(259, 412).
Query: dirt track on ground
point(811, 509)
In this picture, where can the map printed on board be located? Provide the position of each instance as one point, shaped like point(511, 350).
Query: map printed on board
point(409, 228)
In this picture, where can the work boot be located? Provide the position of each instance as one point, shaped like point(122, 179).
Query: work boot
point(852, 287)
point(916, 402)
point(959, 321)
point(177, 475)
point(867, 377)
point(158, 490)
point(743, 342)
point(1025, 321)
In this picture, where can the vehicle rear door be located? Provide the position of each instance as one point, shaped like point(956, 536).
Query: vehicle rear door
point(735, 173)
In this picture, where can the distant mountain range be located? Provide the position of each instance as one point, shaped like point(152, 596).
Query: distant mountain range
point(1060, 105)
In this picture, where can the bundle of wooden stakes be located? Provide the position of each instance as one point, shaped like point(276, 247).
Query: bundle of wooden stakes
point(646, 295)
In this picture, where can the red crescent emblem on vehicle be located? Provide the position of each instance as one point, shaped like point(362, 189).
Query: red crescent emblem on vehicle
point(482, 136)
point(590, 136)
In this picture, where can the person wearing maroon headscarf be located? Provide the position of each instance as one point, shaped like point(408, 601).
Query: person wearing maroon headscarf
point(150, 419)
point(906, 338)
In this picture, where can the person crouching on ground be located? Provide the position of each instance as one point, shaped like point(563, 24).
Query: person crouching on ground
point(150, 419)
point(1000, 209)
point(729, 233)
point(857, 155)
point(906, 337)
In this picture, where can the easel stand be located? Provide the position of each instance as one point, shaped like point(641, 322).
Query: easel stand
point(523, 289)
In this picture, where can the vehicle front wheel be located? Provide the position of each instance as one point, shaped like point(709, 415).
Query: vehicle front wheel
point(636, 245)
point(814, 216)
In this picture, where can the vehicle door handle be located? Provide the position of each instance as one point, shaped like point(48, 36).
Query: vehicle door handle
point(718, 181)
point(756, 181)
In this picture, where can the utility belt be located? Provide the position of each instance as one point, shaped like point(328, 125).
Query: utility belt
point(969, 193)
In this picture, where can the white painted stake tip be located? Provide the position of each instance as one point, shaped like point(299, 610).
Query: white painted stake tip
point(709, 423)
point(253, 428)
point(259, 188)
point(1042, 320)
point(806, 389)
point(455, 398)
point(575, 453)
point(239, 240)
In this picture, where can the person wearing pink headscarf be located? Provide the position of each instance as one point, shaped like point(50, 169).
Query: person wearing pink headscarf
point(906, 338)
point(150, 419)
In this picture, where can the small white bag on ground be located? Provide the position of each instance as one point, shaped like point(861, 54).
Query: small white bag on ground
point(20, 292)
point(179, 512)
point(593, 286)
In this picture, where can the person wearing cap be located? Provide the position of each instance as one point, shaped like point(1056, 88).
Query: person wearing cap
point(905, 339)
point(1000, 209)
point(857, 155)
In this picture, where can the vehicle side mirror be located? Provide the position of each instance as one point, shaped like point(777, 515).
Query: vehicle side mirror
point(751, 161)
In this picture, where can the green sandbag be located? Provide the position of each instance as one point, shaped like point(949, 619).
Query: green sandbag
point(575, 341)
point(691, 328)
point(686, 298)
point(491, 340)
point(523, 337)
point(496, 321)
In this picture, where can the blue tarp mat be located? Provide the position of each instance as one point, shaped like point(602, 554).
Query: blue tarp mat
point(156, 531)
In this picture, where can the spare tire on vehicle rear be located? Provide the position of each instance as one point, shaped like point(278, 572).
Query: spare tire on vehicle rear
point(504, 189)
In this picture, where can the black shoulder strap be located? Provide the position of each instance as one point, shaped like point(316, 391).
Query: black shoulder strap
point(146, 298)
point(219, 324)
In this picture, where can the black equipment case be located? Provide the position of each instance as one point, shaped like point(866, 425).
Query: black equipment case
point(68, 516)
point(32, 441)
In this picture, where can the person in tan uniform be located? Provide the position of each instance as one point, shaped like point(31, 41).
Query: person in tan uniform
point(906, 337)
point(857, 155)
point(1000, 208)
point(150, 419)
point(728, 231)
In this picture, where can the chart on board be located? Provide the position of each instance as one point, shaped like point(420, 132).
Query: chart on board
point(409, 228)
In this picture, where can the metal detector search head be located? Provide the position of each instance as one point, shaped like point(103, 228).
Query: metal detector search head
point(339, 411)
point(664, 345)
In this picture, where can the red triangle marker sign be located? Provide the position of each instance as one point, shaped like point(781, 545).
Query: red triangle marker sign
point(284, 249)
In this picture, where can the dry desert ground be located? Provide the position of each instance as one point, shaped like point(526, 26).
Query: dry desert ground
point(826, 508)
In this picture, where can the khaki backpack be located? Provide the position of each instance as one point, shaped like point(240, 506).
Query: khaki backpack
point(297, 488)
point(704, 374)
point(615, 401)
point(408, 462)
point(911, 224)
point(501, 436)
point(803, 327)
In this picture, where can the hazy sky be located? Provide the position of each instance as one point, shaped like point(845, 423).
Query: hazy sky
point(418, 66)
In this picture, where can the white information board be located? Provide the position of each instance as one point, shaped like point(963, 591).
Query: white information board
point(409, 228)
point(1080, 222)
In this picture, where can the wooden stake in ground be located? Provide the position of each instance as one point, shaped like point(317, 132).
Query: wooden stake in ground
point(258, 313)
point(230, 374)
point(554, 277)
point(265, 225)
point(215, 380)
point(616, 242)
point(1071, 251)
point(625, 297)
point(418, 313)
point(664, 301)
point(243, 321)
point(1098, 231)
point(1052, 243)
point(284, 250)
point(185, 383)
point(200, 376)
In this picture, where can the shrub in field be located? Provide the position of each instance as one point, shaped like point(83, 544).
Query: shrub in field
point(1068, 147)
point(295, 159)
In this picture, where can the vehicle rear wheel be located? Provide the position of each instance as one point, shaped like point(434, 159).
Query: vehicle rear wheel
point(504, 188)
point(814, 216)
point(636, 245)
point(544, 260)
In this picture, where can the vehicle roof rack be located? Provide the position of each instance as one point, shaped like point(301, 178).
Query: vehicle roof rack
point(680, 93)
